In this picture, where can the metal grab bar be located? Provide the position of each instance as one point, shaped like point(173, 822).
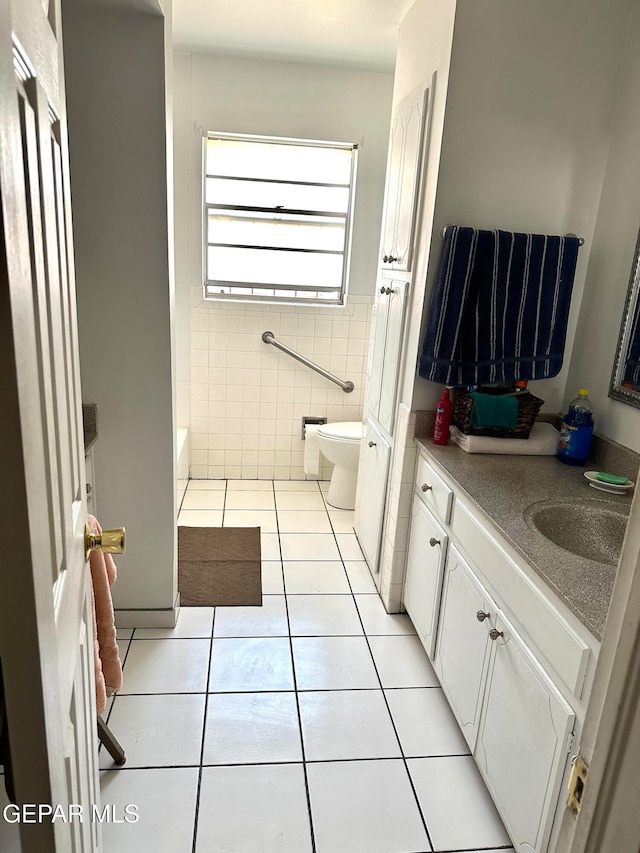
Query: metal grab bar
point(268, 338)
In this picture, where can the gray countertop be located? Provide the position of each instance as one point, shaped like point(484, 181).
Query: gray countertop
point(503, 487)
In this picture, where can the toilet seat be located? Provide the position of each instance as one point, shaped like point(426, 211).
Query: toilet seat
point(350, 431)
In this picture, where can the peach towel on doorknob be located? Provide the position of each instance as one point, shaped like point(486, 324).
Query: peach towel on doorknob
point(108, 669)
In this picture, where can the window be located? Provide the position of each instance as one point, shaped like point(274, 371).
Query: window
point(277, 218)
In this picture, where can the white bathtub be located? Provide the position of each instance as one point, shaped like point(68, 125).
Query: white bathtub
point(182, 462)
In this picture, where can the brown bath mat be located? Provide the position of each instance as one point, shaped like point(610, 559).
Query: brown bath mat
point(219, 566)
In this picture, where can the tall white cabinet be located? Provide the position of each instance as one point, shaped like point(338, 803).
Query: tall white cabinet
point(406, 154)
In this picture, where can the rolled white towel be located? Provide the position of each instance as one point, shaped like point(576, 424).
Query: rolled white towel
point(543, 441)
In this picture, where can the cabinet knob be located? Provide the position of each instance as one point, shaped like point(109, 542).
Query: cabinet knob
point(372, 444)
point(88, 488)
point(386, 290)
point(433, 542)
point(481, 615)
point(425, 488)
point(388, 259)
point(494, 633)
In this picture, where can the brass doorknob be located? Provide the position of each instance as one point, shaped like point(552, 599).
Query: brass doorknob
point(109, 541)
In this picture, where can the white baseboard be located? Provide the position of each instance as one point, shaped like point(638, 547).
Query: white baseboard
point(165, 618)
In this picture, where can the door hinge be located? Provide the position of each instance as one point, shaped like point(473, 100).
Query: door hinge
point(577, 781)
point(570, 741)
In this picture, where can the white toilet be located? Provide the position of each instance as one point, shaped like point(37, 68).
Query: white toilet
point(340, 443)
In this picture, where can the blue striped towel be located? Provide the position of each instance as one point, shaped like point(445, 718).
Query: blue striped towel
point(499, 308)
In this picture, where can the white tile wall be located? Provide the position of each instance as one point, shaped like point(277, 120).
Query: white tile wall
point(248, 398)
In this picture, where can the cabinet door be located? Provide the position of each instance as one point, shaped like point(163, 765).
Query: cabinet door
point(376, 356)
point(413, 120)
point(405, 163)
point(392, 353)
point(374, 463)
point(462, 651)
point(423, 580)
point(394, 173)
point(523, 740)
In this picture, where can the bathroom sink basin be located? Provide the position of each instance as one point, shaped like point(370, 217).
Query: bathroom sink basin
point(588, 528)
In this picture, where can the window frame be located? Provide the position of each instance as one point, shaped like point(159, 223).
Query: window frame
point(341, 301)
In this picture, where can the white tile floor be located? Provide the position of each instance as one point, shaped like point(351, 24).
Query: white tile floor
point(312, 723)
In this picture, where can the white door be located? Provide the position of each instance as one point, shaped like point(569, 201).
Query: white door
point(523, 740)
point(374, 465)
point(45, 621)
point(462, 650)
point(423, 580)
point(392, 353)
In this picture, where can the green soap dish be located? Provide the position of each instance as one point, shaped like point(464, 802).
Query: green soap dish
point(609, 482)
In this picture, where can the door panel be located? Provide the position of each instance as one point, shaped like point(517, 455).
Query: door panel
point(423, 581)
point(462, 649)
point(41, 312)
point(392, 354)
point(376, 357)
point(522, 740)
point(413, 121)
point(373, 491)
point(394, 177)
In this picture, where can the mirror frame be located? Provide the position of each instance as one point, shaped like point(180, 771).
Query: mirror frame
point(616, 391)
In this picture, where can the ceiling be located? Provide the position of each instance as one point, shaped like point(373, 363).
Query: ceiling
point(359, 34)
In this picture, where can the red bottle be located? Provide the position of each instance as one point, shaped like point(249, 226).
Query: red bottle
point(443, 419)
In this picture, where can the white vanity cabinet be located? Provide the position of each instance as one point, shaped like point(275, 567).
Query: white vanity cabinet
point(386, 351)
point(374, 467)
point(511, 660)
point(517, 724)
point(401, 200)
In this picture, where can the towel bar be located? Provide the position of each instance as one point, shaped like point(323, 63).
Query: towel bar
point(580, 239)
